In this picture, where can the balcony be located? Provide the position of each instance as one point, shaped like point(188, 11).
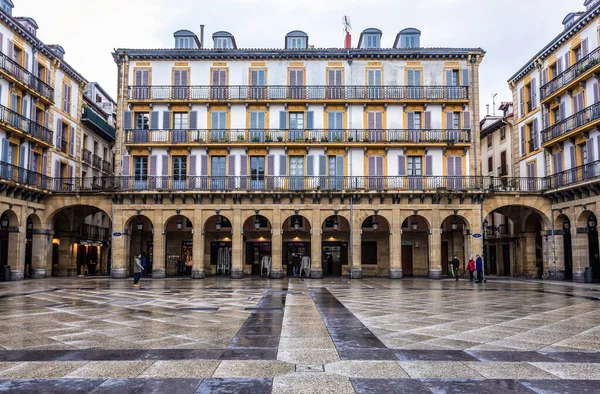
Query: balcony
point(298, 93)
point(587, 65)
point(22, 176)
point(106, 167)
point(92, 119)
point(16, 121)
point(89, 232)
point(562, 130)
point(345, 136)
point(503, 170)
point(86, 156)
point(97, 161)
point(24, 77)
point(574, 176)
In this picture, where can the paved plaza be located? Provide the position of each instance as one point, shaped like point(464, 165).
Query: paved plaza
point(299, 336)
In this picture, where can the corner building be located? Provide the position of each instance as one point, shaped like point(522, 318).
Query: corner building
point(363, 159)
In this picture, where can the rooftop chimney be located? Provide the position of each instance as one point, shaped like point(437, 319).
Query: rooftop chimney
point(201, 36)
point(348, 41)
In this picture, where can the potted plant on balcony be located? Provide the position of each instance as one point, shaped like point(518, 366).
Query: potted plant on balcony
point(337, 139)
point(366, 139)
point(268, 138)
point(350, 139)
point(324, 139)
point(313, 139)
point(280, 139)
point(241, 138)
point(255, 139)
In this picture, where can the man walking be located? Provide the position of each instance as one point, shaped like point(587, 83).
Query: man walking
point(137, 270)
point(479, 268)
point(455, 266)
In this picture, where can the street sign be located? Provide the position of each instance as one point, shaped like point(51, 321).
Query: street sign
point(476, 235)
point(117, 234)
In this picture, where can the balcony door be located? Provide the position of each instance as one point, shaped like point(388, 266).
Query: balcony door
point(257, 173)
point(141, 89)
point(218, 126)
point(334, 84)
point(414, 126)
point(179, 171)
point(375, 173)
point(296, 126)
point(415, 172)
point(375, 83)
point(297, 84)
point(8, 158)
point(141, 133)
point(454, 171)
point(219, 83)
point(140, 172)
point(297, 172)
point(453, 84)
point(181, 83)
point(257, 126)
point(15, 101)
point(180, 127)
point(335, 126)
point(375, 126)
point(336, 172)
point(217, 172)
point(413, 83)
point(257, 84)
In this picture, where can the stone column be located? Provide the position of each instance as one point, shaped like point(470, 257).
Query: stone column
point(237, 246)
point(159, 245)
point(435, 253)
point(356, 244)
point(67, 256)
point(120, 269)
point(396, 246)
point(16, 253)
point(316, 265)
point(276, 246)
point(530, 257)
point(581, 252)
point(39, 249)
point(198, 271)
point(559, 254)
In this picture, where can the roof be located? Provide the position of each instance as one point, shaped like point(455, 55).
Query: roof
point(587, 17)
point(310, 53)
point(296, 33)
point(496, 123)
point(99, 87)
point(183, 33)
point(571, 15)
point(28, 19)
point(408, 30)
point(222, 34)
point(9, 2)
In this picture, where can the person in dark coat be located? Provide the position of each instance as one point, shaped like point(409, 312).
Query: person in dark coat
point(455, 266)
point(479, 268)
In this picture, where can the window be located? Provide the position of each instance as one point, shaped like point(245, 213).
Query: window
point(217, 172)
point(335, 126)
point(414, 126)
point(184, 42)
point(375, 83)
point(180, 121)
point(334, 83)
point(180, 82)
point(371, 41)
point(179, 171)
point(219, 81)
point(491, 165)
point(6, 8)
point(296, 42)
point(453, 81)
point(98, 98)
point(297, 172)
point(218, 126)
point(336, 172)
point(141, 90)
point(553, 71)
point(413, 78)
point(141, 121)
point(140, 171)
point(257, 126)
point(578, 53)
point(410, 41)
point(489, 141)
point(258, 81)
point(41, 72)
point(64, 136)
point(66, 97)
point(257, 172)
point(296, 126)
point(503, 165)
point(415, 172)
point(296, 77)
point(223, 43)
point(502, 133)
point(375, 126)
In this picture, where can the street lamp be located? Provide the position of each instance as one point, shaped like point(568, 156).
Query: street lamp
point(566, 225)
point(29, 224)
point(218, 223)
point(415, 225)
point(4, 221)
point(591, 222)
point(454, 225)
point(179, 225)
point(140, 225)
point(296, 225)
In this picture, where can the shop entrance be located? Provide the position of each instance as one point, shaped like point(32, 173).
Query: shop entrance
point(407, 260)
point(220, 257)
point(292, 251)
point(255, 251)
point(334, 257)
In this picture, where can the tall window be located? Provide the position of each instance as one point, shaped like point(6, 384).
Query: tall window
point(375, 82)
point(296, 42)
point(180, 121)
point(296, 126)
point(371, 41)
point(257, 126)
point(413, 83)
point(141, 90)
point(415, 172)
point(257, 172)
point(179, 171)
point(297, 172)
point(218, 126)
point(140, 172)
point(217, 172)
point(219, 83)
point(257, 82)
point(297, 83)
point(140, 132)
point(66, 98)
point(335, 126)
point(334, 83)
point(375, 126)
point(452, 81)
point(414, 126)
point(181, 82)
point(64, 137)
point(336, 172)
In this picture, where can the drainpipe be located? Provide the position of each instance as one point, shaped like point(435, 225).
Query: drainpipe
point(474, 121)
point(553, 248)
point(351, 246)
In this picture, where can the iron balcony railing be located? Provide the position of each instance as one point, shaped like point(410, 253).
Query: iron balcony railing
point(585, 64)
point(571, 123)
point(574, 175)
point(205, 136)
point(27, 126)
point(97, 161)
point(503, 170)
point(86, 156)
point(93, 118)
point(106, 166)
point(28, 79)
point(232, 93)
point(94, 233)
point(23, 176)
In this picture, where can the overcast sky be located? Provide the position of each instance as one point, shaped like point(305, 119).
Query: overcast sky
point(510, 31)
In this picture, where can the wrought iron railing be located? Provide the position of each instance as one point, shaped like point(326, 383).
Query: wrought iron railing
point(571, 123)
point(92, 117)
point(28, 79)
point(97, 161)
point(27, 126)
point(94, 233)
point(12, 173)
point(106, 166)
point(229, 93)
point(574, 175)
point(589, 61)
point(205, 136)
point(86, 156)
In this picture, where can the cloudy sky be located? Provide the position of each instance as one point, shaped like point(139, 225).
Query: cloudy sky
point(510, 31)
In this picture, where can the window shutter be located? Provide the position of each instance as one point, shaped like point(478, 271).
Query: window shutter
point(70, 173)
point(427, 119)
point(57, 173)
point(448, 77)
point(203, 165)
point(11, 50)
point(5, 150)
point(523, 142)
point(410, 116)
point(153, 165)
point(26, 65)
point(584, 47)
point(467, 120)
point(449, 120)
point(154, 120)
point(573, 158)
point(72, 142)
point(589, 145)
point(567, 60)
point(271, 165)
point(598, 145)
point(283, 120)
point(192, 169)
point(533, 92)
point(596, 94)
point(371, 120)
point(465, 77)
point(429, 165)
point(58, 134)
point(184, 78)
point(536, 140)
point(253, 120)
point(546, 120)
point(323, 165)
point(379, 164)
point(125, 161)
point(232, 166)
point(544, 76)
point(378, 79)
point(1, 42)
point(282, 165)
point(402, 165)
point(410, 77)
point(44, 164)
point(371, 165)
point(563, 115)
point(522, 101)
point(339, 165)
point(310, 120)
point(559, 65)
point(581, 101)
point(166, 120)
point(310, 165)
point(417, 81)
point(458, 165)
point(450, 166)
point(379, 120)
point(165, 165)
point(243, 165)
point(127, 120)
point(216, 79)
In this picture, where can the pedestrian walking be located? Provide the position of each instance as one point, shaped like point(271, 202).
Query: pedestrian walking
point(471, 268)
point(144, 261)
point(479, 268)
point(137, 270)
point(455, 266)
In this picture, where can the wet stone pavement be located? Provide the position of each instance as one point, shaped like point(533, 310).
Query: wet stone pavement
point(299, 336)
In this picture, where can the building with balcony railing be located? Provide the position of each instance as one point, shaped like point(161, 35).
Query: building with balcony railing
point(308, 151)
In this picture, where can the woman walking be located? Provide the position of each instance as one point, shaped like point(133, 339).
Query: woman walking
point(137, 270)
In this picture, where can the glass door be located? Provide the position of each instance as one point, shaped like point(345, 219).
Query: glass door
point(297, 172)
point(257, 173)
point(415, 172)
point(180, 126)
point(179, 172)
point(296, 126)
point(217, 172)
point(140, 167)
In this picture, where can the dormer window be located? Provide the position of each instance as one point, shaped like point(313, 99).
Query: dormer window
point(296, 40)
point(224, 40)
point(185, 39)
point(184, 42)
point(408, 38)
point(7, 6)
point(370, 39)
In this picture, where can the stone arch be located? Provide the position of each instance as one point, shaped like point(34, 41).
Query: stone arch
point(366, 213)
point(514, 206)
point(582, 220)
point(560, 220)
point(54, 205)
point(460, 217)
point(36, 221)
point(179, 217)
point(287, 226)
point(13, 219)
point(251, 218)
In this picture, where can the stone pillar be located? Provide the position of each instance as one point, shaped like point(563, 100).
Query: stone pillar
point(237, 246)
point(276, 246)
point(39, 247)
point(530, 257)
point(396, 246)
point(16, 253)
point(316, 248)
point(559, 255)
point(581, 252)
point(356, 244)
point(120, 268)
point(435, 253)
point(67, 256)
point(198, 271)
point(159, 248)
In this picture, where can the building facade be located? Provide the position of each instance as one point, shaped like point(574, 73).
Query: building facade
point(363, 159)
point(45, 130)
